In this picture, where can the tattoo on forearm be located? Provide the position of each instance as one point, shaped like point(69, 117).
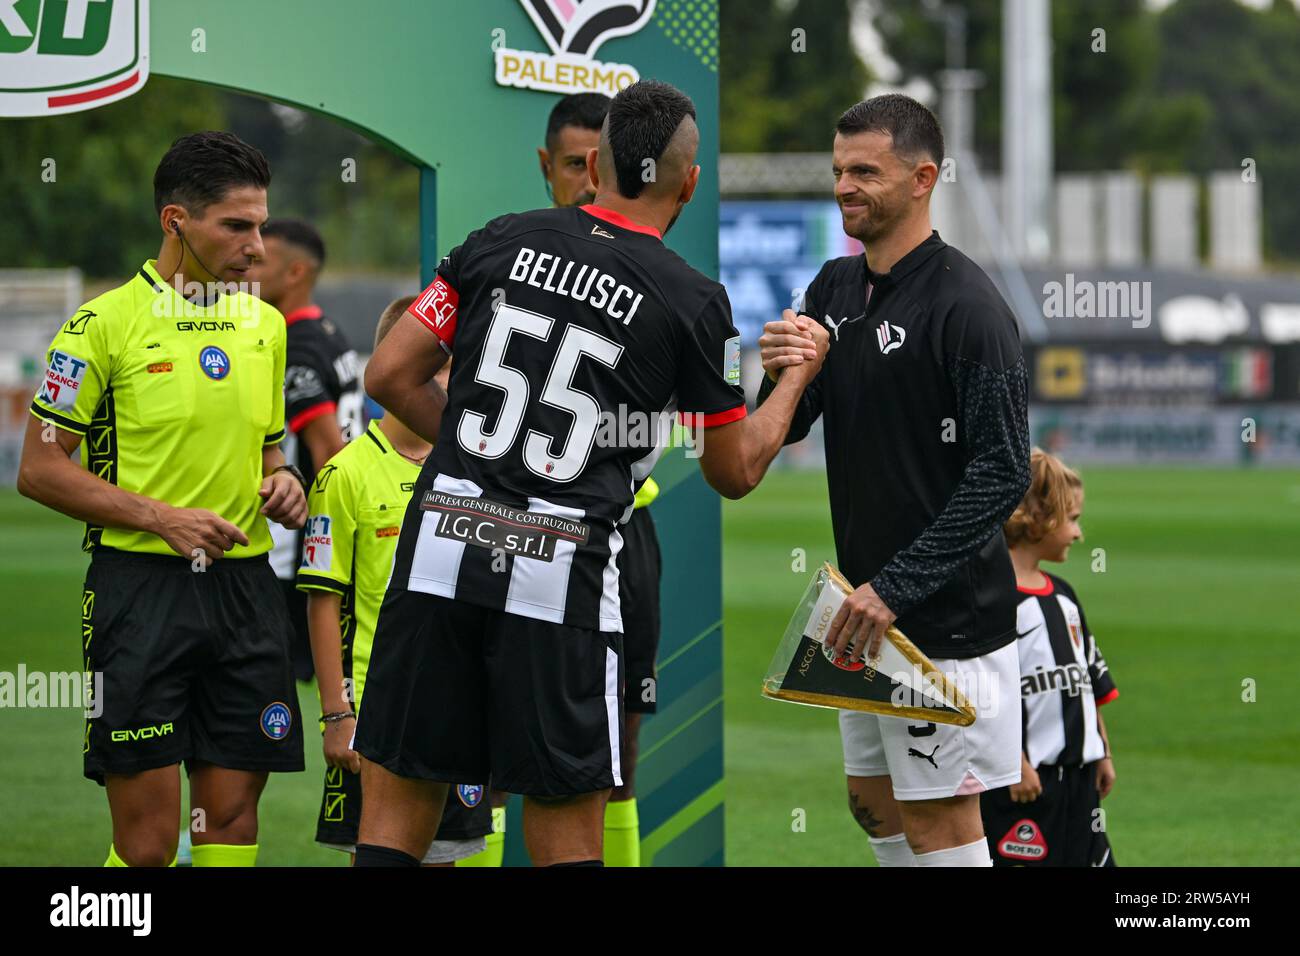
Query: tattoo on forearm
point(862, 813)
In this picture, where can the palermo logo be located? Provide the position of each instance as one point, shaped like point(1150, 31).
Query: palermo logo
point(581, 26)
point(889, 337)
point(574, 30)
point(61, 56)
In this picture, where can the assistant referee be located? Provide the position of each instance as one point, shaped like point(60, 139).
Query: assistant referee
point(172, 386)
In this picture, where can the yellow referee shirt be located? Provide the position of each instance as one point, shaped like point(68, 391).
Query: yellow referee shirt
point(175, 401)
point(357, 502)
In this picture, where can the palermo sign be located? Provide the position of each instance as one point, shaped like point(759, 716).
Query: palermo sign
point(61, 56)
point(574, 30)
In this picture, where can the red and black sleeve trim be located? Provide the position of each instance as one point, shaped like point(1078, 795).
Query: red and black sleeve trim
point(298, 421)
point(713, 419)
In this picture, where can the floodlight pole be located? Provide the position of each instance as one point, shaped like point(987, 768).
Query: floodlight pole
point(1027, 127)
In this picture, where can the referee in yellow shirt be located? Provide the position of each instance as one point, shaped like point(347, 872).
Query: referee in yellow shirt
point(172, 385)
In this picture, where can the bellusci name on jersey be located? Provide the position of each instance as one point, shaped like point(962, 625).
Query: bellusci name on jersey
point(577, 336)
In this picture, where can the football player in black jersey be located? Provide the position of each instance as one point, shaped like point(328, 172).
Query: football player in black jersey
point(322, 389)
point(578, 335)
point(572, 131)
point(923, 399)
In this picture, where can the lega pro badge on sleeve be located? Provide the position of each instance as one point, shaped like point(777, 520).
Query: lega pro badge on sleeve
point(62, 383)
point(731, 360)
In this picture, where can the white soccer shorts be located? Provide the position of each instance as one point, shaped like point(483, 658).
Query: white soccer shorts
point(928, 761)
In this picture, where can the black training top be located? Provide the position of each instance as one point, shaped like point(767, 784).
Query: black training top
point(924, 401)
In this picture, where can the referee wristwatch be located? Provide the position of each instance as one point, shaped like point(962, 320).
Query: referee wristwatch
point(293, 470)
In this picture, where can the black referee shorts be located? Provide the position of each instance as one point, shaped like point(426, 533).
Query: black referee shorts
point(467, 813)
point(1060, 828)
point(459, 692)
point(295, 603)
point(195, 665)
point(639, 567)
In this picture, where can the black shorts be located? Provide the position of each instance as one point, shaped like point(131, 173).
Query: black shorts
point(467, 813)
point(639, 567)
point(460, 692)
point(1060, 828)
point(195, 665)
point(295, 602)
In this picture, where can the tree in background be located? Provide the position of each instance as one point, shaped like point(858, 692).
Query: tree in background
point(1198, 86)
point(1242, 69)
point(363, 198)
point(773, 98)
point(77, 189)
point(1107, 112)
point(96, 212)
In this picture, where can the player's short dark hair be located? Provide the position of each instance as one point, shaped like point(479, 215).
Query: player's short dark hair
point(584, 110)
point(913, 127)
point(199, 168)
point(298, 233)
point(642, 121)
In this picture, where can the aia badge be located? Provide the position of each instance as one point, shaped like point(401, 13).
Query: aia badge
point(574, 30)
point(1024, 841)
point(277, 720)
point(215, 363)
point(470, 794)
point(842, 660)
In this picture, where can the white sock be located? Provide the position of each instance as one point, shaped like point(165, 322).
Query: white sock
point(892, 850)
point(972, 854)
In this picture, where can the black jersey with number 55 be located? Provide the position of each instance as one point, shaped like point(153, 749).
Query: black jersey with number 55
point(577, 336)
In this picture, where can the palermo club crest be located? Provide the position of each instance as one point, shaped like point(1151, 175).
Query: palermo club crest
point(573, 30)
point(581, 26)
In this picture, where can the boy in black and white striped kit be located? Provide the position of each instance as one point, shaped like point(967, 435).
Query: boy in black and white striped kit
point(1052, 817)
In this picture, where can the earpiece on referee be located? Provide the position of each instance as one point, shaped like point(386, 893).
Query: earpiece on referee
point(176, 227)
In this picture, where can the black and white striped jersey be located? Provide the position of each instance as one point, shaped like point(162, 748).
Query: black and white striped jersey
point(1063, 677)
point(577, 337)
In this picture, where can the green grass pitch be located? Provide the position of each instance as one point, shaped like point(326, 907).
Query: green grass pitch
point(1199, 594)
point(1197, 597)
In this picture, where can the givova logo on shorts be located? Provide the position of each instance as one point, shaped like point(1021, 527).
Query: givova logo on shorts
point(61, 56)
